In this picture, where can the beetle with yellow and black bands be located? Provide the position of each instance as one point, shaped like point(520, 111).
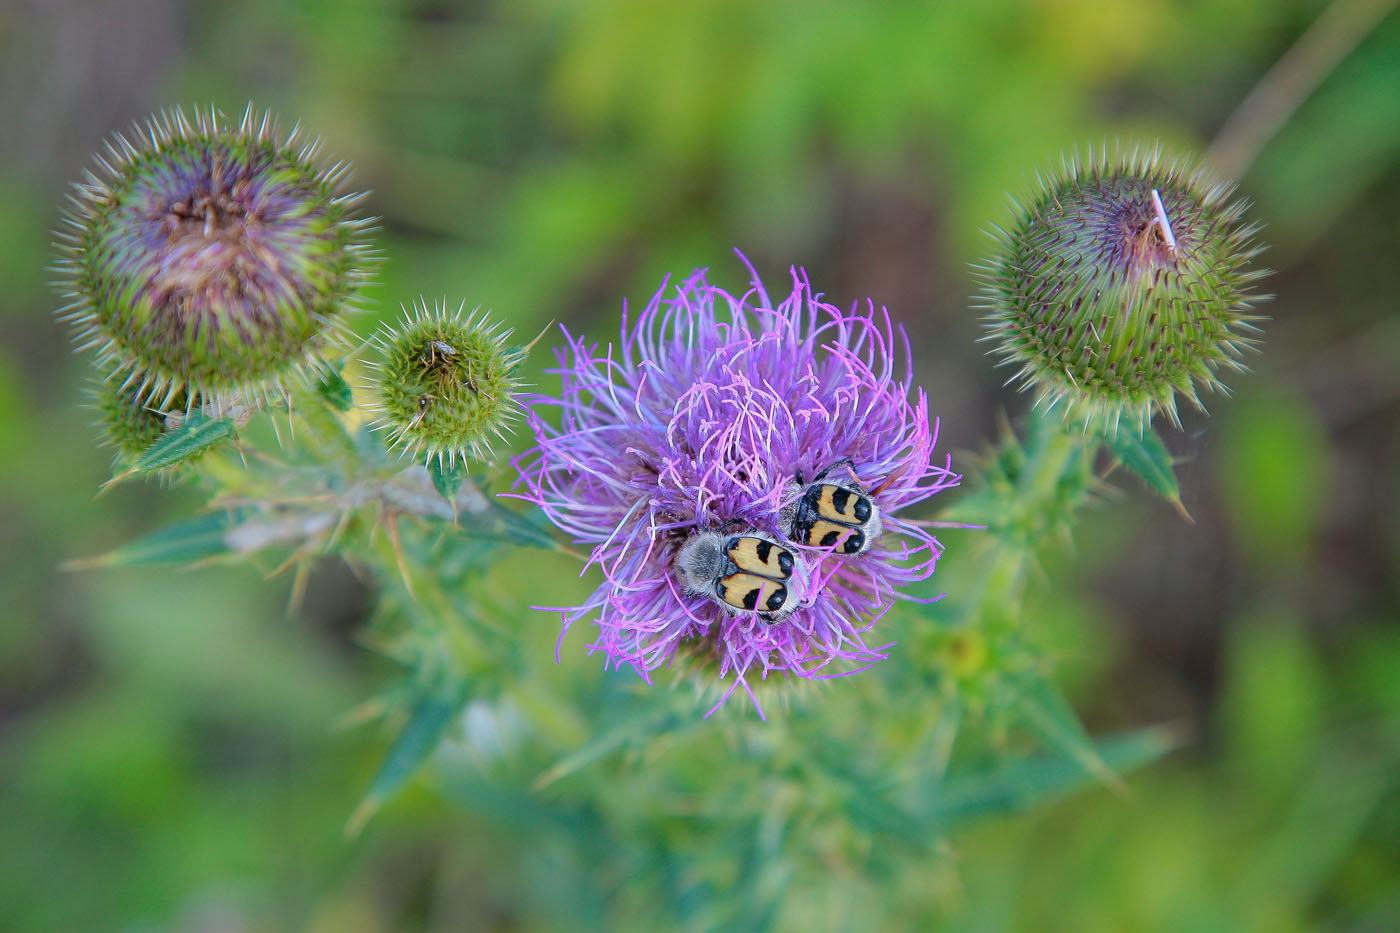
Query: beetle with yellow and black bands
point(743, 571)
point(830, 514)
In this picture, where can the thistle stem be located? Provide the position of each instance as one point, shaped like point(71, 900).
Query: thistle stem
point(1295, 76)
point(1048, 489)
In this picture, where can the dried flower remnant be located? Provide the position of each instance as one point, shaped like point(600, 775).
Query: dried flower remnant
point(209, 259)
point(445, 387)
point(700, 420)
point(1125, 281)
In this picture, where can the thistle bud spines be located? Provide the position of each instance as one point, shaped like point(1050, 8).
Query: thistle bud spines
point(445, 385)
point(211, 259)
point(128, 421)
point(1124, 283)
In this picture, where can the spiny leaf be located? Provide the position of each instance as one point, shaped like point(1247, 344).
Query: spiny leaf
point(634, 729)
point(509, 525)
point(417, 740)
point(1028, 782)
point(867, 800)
point(1147, 456)
point(194, 437)
point(517, 808)
point(198, 538)
point(1045, 710)
point(589, 849)
point(447, 481)
point(976, 509)
point(336, 391)
point(766, 873)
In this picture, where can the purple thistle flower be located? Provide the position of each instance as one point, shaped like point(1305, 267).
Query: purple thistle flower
point(703, 415)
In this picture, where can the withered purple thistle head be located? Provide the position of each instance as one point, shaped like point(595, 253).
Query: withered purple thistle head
point(210, 259)
point(1123, 282)
point(702, 433)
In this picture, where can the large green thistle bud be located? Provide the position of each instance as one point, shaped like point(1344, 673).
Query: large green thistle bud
point(211, 260)
point(1123, 283)
point(445, 385)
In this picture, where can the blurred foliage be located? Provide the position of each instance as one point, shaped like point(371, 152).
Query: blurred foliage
point(168, 757)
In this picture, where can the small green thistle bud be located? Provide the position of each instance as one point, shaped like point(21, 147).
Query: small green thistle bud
point(445, 385)
point(1123, 282)
point(210, 260)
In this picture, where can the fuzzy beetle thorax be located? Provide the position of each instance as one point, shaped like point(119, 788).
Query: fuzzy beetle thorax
point(1122, 283)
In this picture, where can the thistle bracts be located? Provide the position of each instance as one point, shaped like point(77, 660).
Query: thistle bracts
point(445, 385)
point(211, 260)
point(1123, 282)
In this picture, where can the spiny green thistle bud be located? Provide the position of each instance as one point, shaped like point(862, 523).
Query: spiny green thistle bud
point(131, 423)
point(446, 383)
point(1123, 282)
point(210, 260)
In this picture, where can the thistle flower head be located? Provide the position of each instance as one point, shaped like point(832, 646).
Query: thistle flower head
point(707, 417)
point(1123, 283)
point(446, 385)
point(208, 258)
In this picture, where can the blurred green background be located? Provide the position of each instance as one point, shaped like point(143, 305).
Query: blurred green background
point(168, 756)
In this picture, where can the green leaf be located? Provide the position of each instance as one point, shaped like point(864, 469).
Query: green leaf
point(336, 391)
point(766, 873)
point(1148, 457)
point(977, 508)
point(196, 539)
point(589, 849)
point(514, 807)
point(194, 437)
point(1044, 709)
point(495, 522)
point(419, 738)
point(447, 481)
point(1028, 782)
point(524, 529)
point(632, 730)
point(866, 799)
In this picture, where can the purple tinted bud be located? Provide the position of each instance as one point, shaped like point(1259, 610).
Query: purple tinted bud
point(203, 258)
point(1124, 282)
